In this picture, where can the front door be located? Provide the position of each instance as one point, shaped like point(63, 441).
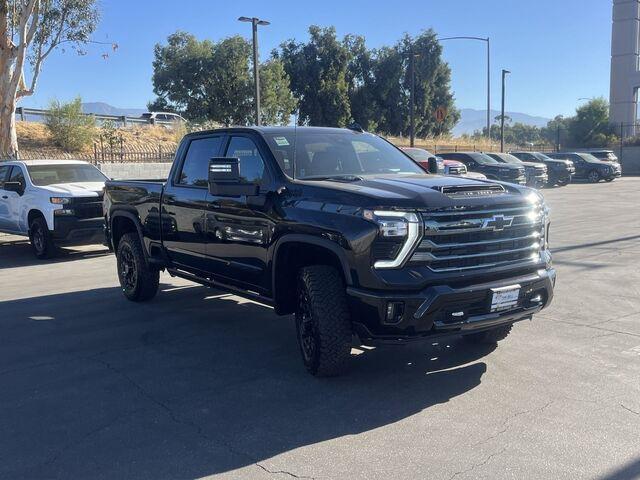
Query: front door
point(17, 221)
point(240, 229)
point(184, 204)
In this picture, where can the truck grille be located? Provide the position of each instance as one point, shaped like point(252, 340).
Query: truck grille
point(87, 207)
point(457, 170)
point(465, 239)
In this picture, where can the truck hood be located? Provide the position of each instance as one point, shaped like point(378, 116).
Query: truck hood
point(413, 191)
point(77, 189)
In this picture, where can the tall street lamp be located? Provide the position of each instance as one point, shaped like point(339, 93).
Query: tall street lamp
point(504, 76)
point(412, 97)
point(256, 78)
point(488, 42)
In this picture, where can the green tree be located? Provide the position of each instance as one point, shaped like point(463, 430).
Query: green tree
point(30, 30)
point(276, 99)
point(590, 126)
point(69, 127)
point(318, 71)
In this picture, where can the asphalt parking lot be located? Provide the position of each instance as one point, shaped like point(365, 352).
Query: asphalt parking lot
point(198, 383)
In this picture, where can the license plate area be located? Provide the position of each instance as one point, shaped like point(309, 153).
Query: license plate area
point(505, 298)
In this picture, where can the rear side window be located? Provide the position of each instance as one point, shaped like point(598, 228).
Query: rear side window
point(195, 168)
point(251, 162)
point(4, 171)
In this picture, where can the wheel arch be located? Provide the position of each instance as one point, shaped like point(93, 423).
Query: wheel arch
point(295, 251)
point(125, 222)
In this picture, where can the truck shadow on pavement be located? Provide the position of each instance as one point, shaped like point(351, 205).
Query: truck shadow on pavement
point(191, 384)
point(18, 253)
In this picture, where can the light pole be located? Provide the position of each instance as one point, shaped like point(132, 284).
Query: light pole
point(256, 77)
point(488, 42)
point(504, 75)
point(412, 98)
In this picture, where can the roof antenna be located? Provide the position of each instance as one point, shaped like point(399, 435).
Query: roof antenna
point(355, 127)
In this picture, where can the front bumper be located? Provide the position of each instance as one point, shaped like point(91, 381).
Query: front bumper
point(537, 180)
point(436, 311)
point(75, 231)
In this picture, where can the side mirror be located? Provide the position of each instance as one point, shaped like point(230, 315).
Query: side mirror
point(14, 187)
point(434, 166)
point(225, 179)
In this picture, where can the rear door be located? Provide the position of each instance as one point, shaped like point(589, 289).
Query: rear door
point(4, 198)
point(240, 228)
point(184, 204)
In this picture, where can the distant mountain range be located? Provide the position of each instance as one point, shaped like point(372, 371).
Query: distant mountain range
point(101, 108)
point(472, 120)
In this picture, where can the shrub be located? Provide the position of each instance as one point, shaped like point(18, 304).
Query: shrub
point(69, 127)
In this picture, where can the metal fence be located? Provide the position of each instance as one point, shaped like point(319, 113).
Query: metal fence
point(36, 114)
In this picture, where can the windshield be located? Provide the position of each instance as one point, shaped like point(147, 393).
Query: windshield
point(541, 156)
point(43, 175)
point(417, 153)
point(340, 154)
point(484, 159)
point(506, 158)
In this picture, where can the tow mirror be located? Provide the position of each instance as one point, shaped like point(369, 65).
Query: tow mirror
point(14, 187)
point(433, 166)
point(225, 179)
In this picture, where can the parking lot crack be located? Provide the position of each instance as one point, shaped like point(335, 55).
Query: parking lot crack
point(281, 472)
point(477, 465)
point(506, 423)
point(629, 410)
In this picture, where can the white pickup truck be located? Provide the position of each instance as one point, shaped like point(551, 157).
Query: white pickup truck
point(53, 202)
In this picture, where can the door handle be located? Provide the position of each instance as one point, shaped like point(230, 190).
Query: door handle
point(5, 197)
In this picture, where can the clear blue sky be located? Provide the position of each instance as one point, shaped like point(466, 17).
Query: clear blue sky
point(558, 50)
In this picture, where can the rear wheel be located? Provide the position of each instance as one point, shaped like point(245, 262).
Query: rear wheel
point(41, 240)
point(139, 282)
point(594, 176)
point(489, 337)
point(322, 321)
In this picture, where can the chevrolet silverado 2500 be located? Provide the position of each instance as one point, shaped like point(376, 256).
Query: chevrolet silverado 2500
point(343, 230)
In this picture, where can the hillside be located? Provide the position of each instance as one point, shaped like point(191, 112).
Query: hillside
point(472, 120)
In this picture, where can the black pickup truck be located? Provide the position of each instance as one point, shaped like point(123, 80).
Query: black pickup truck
point(340, 228)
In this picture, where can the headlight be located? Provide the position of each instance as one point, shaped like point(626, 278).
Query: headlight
point(403, 227)
point(60, 200)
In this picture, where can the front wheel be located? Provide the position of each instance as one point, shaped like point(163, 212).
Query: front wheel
point(489, 337)
point(608, 180)
point(139, 282)
point(322, 321)
point(41, 240)
point(594, 176)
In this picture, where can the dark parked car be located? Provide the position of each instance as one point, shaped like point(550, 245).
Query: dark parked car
point(535, 172)
point(560, 172)
point(589, 167)
point(490, 167)
point(429, 162)
point(341, 229)
point(604, 155)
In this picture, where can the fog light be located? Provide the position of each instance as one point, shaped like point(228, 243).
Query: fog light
point(395, 312)
point(64, 211)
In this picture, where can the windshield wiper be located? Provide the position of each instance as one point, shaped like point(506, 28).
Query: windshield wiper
point(336, 178)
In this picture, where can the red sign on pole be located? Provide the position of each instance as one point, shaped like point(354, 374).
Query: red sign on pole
point(441, 114)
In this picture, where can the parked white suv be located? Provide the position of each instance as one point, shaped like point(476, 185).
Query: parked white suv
point(53, 202)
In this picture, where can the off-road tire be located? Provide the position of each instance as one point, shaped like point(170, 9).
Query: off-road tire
point(594, 176)
point(323, 323)
point(489, 337)
point(40, 238)
point(138, 280)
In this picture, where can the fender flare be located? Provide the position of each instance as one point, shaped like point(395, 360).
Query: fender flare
point(136, 223)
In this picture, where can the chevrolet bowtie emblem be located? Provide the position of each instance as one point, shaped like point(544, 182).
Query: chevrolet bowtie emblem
point(497, 222)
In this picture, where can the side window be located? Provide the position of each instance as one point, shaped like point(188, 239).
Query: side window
point(4, 171)
point(251, 162)
point(17, 176)
point(195, 168)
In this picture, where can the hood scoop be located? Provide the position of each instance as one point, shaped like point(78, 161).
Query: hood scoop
point(471, 191)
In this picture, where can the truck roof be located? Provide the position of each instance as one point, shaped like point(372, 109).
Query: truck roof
point(276, 130)
point(47, 162)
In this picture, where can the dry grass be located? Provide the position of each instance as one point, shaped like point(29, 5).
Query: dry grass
point(449, 144)
point(35, 141)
